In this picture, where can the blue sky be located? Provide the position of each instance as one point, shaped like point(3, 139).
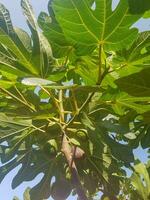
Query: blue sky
point(6, 193)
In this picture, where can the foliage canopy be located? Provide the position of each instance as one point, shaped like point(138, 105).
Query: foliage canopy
point(75, 99)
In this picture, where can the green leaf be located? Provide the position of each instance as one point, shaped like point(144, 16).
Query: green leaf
point(22, 172)
point(11, 120)
point(134, 59)
point(57, 76)
point(81, 134)
point(103, 122)
point(130, 136)
point(139, 6)
point(19, 37)
point(26, 195)
point(42, 115)
point(36, 81)
point(24, 38)
point(53, 143)
point(59, 192)
point(15, 144)
point(120, 151)
point(121, 101)
point(84, 25)
point(129, 102)
point(6, 40)
point(87, 68)
point(147, 14)
point(137, 84)
point(142, 186)
point(74, 141)
point(42, 189)
point(86, 121)
point(145, 140)
point(5, 20)
point(139, 51)
point(54, 34)
point(146, 117)
point(5, 169)
point(6, 84)
point(41, 52)
point(9, 65)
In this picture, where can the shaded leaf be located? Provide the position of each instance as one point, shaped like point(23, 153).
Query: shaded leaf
point(139, 6)
point(137, 84)
point(61, 189)
point(145, 141)
point(120, 151)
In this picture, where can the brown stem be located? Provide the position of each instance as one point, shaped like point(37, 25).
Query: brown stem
point(66, 149)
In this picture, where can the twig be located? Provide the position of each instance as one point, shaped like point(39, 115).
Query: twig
point(61, 106)
point(17, 99)
point(52, 96)
point(80, 109)
point(75, 102)
point(21, 95)
point(39, 128)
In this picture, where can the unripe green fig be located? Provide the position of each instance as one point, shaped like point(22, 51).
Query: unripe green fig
point(50, 148)
point(82, 134)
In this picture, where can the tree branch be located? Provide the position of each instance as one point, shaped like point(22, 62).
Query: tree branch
point(66, 149)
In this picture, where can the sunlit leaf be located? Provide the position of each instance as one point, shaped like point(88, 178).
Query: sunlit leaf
point(36, 81)
point(89, 26)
